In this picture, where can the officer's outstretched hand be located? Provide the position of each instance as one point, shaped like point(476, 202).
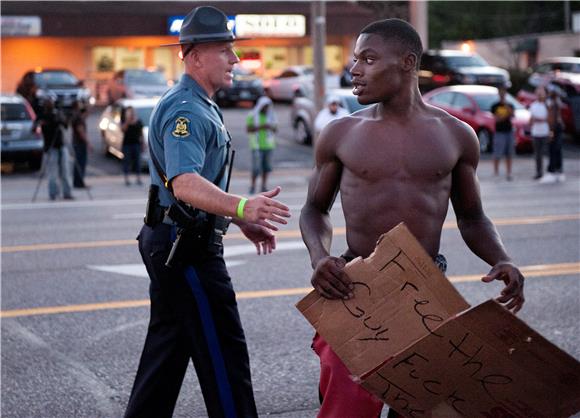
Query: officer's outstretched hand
point(263, 210)
point(262, 237)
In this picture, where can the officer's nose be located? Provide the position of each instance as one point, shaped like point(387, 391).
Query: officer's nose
point(234, 58)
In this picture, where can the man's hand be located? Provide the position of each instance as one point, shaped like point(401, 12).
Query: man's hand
point(330, 280)
point(512, 294)
point(262, 238)
point(262, 208)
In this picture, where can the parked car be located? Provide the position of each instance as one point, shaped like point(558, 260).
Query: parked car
point(449, 67)
point(303, 113)
point(472, 104)
point(561, 74)
point(21, 140)
point(137, 84)
point(59, 85)
point(112, 119)
point(246, 87)
point(295, 81)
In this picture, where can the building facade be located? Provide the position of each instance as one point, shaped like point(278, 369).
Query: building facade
point(93, 39)
point(523, 51)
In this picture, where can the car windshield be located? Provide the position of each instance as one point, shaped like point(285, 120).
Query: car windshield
point(465, 61)
point(485, 101)
point(145, 77)
point(567, 67)
point(55, 78)
point(144, 113)
point(13, 112)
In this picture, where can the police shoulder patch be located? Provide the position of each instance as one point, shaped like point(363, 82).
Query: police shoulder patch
point(181, 127)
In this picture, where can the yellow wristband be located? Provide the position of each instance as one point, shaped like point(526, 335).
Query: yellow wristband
point(241, 205)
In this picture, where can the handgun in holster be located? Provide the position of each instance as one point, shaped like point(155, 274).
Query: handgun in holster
point(153, 211)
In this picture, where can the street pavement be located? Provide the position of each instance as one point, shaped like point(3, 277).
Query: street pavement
point(74, 292)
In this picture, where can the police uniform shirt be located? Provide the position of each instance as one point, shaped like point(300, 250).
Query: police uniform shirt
point(187, 135)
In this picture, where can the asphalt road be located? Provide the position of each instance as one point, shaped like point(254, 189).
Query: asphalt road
point(74, 292)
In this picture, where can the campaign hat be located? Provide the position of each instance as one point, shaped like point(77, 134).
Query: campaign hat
point(205, 24)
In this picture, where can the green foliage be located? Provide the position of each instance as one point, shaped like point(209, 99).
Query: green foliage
point(463, 20)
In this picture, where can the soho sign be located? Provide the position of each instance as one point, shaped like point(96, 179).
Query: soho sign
point(270, 25)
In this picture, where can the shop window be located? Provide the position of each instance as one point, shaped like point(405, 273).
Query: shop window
point(108, 59)
point(333, 57)
point(103, 59)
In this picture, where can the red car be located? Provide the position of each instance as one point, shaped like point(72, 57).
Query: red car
point(472, 104)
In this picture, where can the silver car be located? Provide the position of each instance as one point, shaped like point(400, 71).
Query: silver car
point(295, 81)
point(303, 114)
point(137, 84)
point(111, 120)
point(21, 140)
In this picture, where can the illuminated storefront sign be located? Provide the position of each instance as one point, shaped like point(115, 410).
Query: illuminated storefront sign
point(21, 26)
point(281, 26)
point(270, 25)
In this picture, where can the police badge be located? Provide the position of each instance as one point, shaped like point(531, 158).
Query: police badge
point(181, 127)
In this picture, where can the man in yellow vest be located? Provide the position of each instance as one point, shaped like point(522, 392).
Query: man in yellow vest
point(261, 125)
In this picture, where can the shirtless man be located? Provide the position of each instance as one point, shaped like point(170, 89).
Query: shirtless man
point(398, 160)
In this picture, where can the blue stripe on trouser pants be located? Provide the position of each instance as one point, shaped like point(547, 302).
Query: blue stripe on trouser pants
point(225, 391)
point(177, 334)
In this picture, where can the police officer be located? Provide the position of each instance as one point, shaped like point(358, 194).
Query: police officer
point(193, 306)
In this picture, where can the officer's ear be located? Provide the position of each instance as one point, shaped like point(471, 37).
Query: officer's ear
point(409, 61)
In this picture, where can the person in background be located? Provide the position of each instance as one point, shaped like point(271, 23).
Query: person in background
point(503, 139)
point(555, 169)
point(261, 125)
point(57, 159)
point(332, 111)
point(540, 130)
point(81, 144)
point(132, 129)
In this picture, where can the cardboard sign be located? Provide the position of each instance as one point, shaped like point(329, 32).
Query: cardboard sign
point(403, 337)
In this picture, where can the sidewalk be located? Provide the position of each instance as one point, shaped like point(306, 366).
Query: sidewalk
point(19, 188)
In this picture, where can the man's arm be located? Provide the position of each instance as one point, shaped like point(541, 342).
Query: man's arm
point(201, 193)
point(328, 277)
point(476, 228)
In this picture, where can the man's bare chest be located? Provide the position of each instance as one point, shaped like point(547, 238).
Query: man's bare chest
point(372, 155)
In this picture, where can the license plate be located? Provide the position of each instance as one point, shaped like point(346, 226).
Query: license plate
point(245, 95)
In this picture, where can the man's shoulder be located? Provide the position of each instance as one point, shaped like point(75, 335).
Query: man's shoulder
point(435, 117)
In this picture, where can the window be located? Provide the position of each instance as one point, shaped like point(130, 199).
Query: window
point(443, 99)
point(13, 112)
point(461, 101)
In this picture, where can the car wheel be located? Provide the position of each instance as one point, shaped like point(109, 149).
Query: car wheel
point(484, 137)
point(301, 133)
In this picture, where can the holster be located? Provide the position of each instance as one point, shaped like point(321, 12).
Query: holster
point(198, 235)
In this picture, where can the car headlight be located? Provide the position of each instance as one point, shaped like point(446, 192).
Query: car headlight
point(41, 93)
point(469, 79)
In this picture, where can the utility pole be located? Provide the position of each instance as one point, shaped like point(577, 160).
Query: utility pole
point(419, 17)
point(567, 16)
point(318, 29)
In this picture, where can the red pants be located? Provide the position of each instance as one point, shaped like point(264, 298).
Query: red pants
point(341, 396)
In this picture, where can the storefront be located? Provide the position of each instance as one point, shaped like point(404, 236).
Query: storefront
point(86, 43)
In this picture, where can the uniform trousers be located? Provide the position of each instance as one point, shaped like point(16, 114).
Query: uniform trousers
point(194, 315)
